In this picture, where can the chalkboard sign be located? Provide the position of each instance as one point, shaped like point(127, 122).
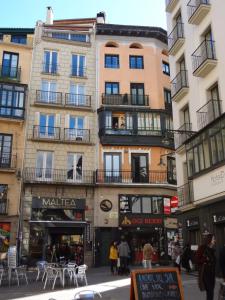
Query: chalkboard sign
point(156, 284)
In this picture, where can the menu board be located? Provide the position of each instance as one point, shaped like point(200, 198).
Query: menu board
point(156, 284)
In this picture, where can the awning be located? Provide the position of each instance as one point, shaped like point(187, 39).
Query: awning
point(60, 223)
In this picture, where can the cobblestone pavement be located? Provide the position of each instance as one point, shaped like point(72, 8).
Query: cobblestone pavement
point(100, 279)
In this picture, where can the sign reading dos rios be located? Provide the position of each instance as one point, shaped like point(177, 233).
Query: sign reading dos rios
point(60, 203)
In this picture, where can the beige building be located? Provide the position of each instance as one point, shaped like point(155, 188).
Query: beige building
point(61, 139)
point(196, 48)
point(15, 56)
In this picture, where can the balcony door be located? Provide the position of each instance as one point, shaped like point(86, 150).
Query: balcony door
point(137, 93)
point(48, 91)
point(5, 150)
point(47, 127)
point(74, 167)
point(77, 94)
point(76, 128)
point(139, 168)
point(112, 167)
point(44, 164)
point(10, 64)
point(171, 170)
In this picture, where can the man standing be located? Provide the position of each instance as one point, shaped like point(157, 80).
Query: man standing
point(124, 252)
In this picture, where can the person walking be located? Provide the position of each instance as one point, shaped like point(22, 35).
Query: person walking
point(113, 257)
point(206, 261)
point(124, 252)
point(147, 256)
point(222, 261)
point(186, 259)
point(176, 255)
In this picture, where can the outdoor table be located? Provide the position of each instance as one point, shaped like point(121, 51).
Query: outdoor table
point(62, 271)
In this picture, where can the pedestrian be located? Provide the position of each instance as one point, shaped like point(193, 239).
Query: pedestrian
point(147, 255)
point(186, 259)
point(222, 262)
point(124, 253)
point(176, 255)
point(206, 261)
point(113, 257)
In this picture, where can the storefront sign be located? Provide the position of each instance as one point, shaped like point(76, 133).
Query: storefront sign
point(193, 222)
point(139, 220)
point(58, 203)
point(106, 205)
point(219, 218)
point(167, 209)
point(170, 223)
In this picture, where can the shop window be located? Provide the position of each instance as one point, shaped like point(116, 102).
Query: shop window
point(136, 204)
point(157, 205)
point(146, 205)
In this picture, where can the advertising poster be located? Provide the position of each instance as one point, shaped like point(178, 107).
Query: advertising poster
point(4, 236)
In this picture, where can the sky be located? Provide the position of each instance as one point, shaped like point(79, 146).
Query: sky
point(25, 13)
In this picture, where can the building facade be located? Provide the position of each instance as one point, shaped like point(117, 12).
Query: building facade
point(60, 154)
point(15, 55)
point(196, 48)
point(133, 188)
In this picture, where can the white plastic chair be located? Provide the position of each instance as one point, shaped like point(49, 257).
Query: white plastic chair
point(21, 273)
point(51, 276)
point(71, 270)
point(1, 275)
point(87, 295)
point(41, 268)
point(81, 273)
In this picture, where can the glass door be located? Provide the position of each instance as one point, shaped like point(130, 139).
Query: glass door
point(10, 64)
point(77, 94)
point(76, 128)
point(44, 164)
point(137, 93)
point(112, 167)
point(47, 126)
point(139, 168)
point(48, 91)
point(74, 167)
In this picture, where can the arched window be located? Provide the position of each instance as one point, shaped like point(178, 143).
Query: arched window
point(136, 46)
point(111, 45)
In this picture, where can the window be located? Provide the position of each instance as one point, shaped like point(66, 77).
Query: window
point(136, 62)
point(47, 126)
point(1, 36)
point(112, 88)
point(78, 65)
point(136, 46)
point(171, 170)
point(149, 122)
point(157, 205)
point(3, 198)
point(10, 65)
point(111, 45)
point(112, 167)
point(19, 39)
point(71, 36)
point(48, 91)
point(166, 68)
point(77, 94)
point(169, 122)
point(139, 167)
point(137, 93)
point(5, 150)
point(12, 101)
point(44, 165)
point(74, 167)
point(112, 61)
point(74, 128)
point(167, 96)
point(50, 62)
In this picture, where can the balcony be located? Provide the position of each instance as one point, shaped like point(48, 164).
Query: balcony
point(78, 100)
point(48, 98)
point(75, 135)
point(185, 194)
point(179, 86)
point(3, 206)
point(8, 73)
point(182, 134)
point(125, 99)
point(197, 10)
point(8, 162)
point(78, 72)
point(46, 133)
point(129, 177)
point(58, 176)
point(170, 5)
point(208, 113)
point(204, 58)
point(51, 69)
point(176, 39)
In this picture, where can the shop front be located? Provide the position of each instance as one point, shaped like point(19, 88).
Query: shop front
point(58, 229)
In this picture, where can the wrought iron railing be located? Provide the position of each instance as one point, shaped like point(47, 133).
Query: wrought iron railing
point(175, 35)
point(206, 50)
point(182, 134)
point(48, 97)
point(193, 5)
point(77, 135)
point(208, 113)
point(179, 82)
point(50, 68)
point(125, 99)
point(46, 132)
point(185, 194)
point(10, 73)
point(8, 161)
point(72, 176)
point(78, 71)
point(78, 100)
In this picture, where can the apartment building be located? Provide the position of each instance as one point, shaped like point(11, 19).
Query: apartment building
point(15, 55)
point(134, 182)
point(60, 154)
point(196, 49)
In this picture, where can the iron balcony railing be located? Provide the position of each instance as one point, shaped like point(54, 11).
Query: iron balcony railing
point(127, 177)
point(125, 99)
point(208, 113)
point(182, 134)
point(77, 135)
point(10, 73)
point(193, 5)
point(8, 161)
point(78, 100)
point(46, 132)
point(179, 82)
point(50, 68)
point(57, 176)
point(78, 71)
point(128, 131)
point(185, 194)
point(48, 97)
point(206, 50)
point(3, 206)
point(175, 35)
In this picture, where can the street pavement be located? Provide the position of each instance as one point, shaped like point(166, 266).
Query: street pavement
point(99, 279)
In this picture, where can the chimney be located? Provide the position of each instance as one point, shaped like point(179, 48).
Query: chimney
point(49, 16)
point(101, 17)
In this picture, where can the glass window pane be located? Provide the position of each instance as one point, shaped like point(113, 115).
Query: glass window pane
point(206, 153)
point(146, 205)
point(213, 150)
point(196, 160)
point(136, 204)
point(157, 205)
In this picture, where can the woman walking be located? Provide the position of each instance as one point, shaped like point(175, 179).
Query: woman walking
point(113, 256)
point(176, 255)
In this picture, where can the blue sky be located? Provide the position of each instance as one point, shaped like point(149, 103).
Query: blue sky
point(24, 13)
